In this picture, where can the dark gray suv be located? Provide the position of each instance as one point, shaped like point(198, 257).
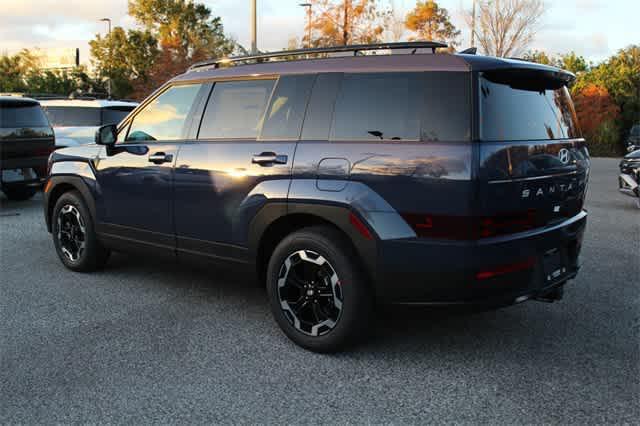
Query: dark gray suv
point(344, 182)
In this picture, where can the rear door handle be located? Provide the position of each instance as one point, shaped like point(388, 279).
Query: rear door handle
point(269, 159)
point(160, 157)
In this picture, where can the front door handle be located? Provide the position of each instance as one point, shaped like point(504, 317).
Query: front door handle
point(269, 159)
point(160, 157)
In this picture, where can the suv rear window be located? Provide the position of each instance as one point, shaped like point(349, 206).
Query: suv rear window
point(516, 107)
point(22, 114)
point(63, 116)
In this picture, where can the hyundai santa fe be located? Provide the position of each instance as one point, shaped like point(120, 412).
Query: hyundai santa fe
point(344, 181)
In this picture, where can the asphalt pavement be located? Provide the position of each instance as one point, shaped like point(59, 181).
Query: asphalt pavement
point(150, 342)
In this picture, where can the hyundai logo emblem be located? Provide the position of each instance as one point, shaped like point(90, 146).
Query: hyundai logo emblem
point(563, 155)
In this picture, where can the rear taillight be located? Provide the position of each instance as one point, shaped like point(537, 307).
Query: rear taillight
point(471, 227)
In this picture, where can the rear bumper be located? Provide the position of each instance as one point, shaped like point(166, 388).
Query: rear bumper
point(421, 271)
point(38, 164)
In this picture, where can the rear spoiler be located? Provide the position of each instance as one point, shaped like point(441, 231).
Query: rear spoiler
point(531, 78)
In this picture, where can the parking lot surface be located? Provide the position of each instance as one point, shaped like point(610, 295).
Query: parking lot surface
point(146, 341)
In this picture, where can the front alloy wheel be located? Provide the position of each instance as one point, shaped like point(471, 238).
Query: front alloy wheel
point(309, 293)
point(71, 232)
point(74, 234)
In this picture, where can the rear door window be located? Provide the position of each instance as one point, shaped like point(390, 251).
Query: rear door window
point(236, 109)
point(16, 114)
point(287, 108)
point(378, 106)
point(165, 117)
point(517, 107)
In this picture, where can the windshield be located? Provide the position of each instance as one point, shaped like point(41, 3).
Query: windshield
point(515, 109)
point(22, 114)
point(85, 117)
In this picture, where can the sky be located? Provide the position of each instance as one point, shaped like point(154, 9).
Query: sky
point(595, 29)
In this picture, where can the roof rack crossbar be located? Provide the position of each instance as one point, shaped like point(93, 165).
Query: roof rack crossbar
point(355, 48)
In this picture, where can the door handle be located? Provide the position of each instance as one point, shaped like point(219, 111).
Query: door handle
point(160, 157)
point(269, 159)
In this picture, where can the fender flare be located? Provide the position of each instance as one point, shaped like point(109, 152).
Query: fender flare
point(78, 183)
point(337, 215)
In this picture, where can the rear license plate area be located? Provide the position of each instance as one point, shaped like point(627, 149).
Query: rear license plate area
point(554, 265)
point(17, 175)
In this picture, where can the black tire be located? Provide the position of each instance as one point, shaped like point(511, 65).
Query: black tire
point(93, 255)
point(356, 297)
point(19, 192)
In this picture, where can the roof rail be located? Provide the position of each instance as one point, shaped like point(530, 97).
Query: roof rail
point(355, 48)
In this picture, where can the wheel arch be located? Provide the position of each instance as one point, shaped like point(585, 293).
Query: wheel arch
point(58, 185)
point(275, 221)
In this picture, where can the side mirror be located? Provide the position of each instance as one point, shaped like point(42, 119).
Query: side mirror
point(107, 135)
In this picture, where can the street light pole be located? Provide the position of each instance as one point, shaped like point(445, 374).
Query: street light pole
point(308, 6)
point(108, 21)
point(473, 24)
point(254, 28)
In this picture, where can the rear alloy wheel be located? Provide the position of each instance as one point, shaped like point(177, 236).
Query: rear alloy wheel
point(317, 291)
point(310, 293)
point(74, 235)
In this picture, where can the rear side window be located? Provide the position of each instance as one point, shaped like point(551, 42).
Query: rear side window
point(516, 107)
point(164, 118)
point(236, 109)
point(288, 105)
point(378, 106)
point(447, 111)
point(22, 114)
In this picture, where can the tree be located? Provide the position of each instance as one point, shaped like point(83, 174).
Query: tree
point(394, 22)
point(124, 57)
point(573, 63)
point(184, 27)
point(15, 68)
point(340, 23)
point(23, 73)
point(506, 27)
point(539, 57)
point(597, 114)
point(431, 22)
point(620, 76)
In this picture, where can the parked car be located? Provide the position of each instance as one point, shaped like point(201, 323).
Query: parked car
point(426, 179)
point(26, 140)
point(75, 121)
point(629, 178)
point(633, 141)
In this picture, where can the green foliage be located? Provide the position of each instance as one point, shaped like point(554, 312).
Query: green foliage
point(573, 63)
point(184, 26)
point(124, 57)
point(606, 140)
point(569, 61)
point(22, 73)
point(620, 75)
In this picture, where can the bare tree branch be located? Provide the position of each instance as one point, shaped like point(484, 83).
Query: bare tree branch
point(506, 27)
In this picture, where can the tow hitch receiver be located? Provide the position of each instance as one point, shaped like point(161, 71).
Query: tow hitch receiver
point(552, 295)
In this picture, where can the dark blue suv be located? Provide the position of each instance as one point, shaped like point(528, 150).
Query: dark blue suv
point(345, 182)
